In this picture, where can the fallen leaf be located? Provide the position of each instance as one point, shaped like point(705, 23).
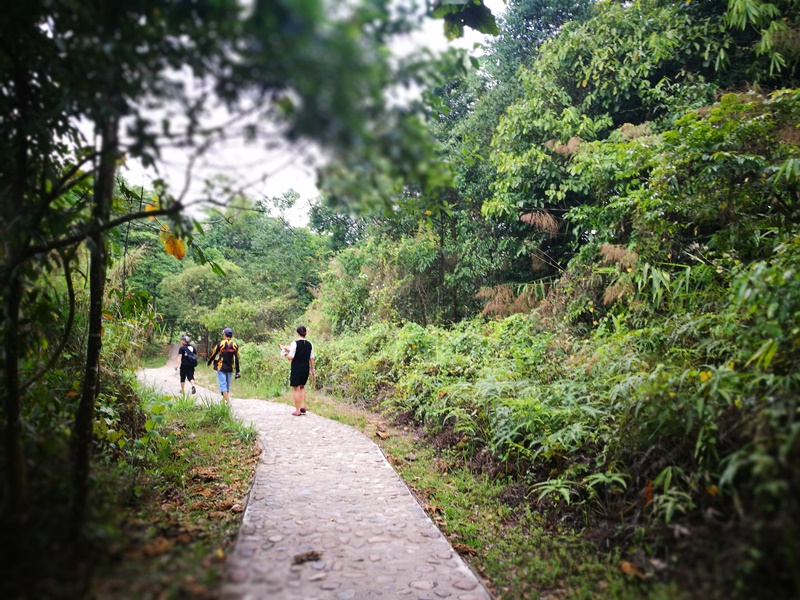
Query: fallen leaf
point(304, 557)
point(157, 546)
point(432, 508)
point(464, 549)
point(630, 569)
point(204, 474)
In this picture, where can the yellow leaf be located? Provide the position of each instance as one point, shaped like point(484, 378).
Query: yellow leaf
point(712, 490)
point(150, 208)
point(175, 247)
point(584, 82)
point(705, 376)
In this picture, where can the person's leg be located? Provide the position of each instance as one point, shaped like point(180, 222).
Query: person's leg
point(223, 385)
point(227, 394)
point(190, 377)
point(302, 398)
point(296, 389)
point(183, 378)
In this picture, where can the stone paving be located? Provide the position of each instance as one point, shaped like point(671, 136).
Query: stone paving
point(329, 519)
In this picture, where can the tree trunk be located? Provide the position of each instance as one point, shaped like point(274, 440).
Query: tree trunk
point(84, 418)
point(15, 480)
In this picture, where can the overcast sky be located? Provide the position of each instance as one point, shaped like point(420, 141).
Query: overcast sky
point(273, 172)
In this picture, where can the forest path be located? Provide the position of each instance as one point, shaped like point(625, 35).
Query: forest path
point(327, 517)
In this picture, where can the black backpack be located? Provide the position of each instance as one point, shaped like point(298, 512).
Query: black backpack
point(191, 355)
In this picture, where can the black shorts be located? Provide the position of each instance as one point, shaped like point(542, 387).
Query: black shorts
point(187, 373)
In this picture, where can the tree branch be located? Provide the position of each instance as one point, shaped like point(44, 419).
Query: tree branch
point(65, 258)
point(84, 234)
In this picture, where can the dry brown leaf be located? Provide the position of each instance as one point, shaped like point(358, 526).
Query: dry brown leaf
point(157, 546)
point(304, 557)
point(464, 549)
point(630, 569)
point(432, 508)
point(383, 435)
point(204, 473)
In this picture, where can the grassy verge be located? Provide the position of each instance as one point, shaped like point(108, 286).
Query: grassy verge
point(518, 552)
point(176, 535)
point(170, 521)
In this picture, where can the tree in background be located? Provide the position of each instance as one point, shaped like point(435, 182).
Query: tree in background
point(457, 252)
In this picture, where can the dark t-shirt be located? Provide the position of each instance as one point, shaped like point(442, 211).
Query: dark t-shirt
point(228, 360)
point(185, 361)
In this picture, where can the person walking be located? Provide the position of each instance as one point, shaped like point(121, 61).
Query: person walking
point(301, 356)
point(187, 361)
point(226, 364)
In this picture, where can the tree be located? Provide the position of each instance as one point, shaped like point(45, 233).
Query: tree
point(109, 64)
point(633, 64)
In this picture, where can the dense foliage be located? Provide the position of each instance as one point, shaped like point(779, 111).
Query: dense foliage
point(142, 76)
point(646, 391)
point(597, 300)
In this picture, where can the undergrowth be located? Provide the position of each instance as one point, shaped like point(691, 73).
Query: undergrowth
point(169, 521)
point(667, 437)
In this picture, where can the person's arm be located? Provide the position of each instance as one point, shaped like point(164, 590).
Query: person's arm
point(311, 362)
point(212, 355)
point(236, 359)
point(180, 356)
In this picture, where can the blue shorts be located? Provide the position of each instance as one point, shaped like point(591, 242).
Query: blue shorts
point(224, 381)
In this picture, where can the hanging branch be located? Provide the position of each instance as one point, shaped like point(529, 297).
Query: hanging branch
point(66, 259)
